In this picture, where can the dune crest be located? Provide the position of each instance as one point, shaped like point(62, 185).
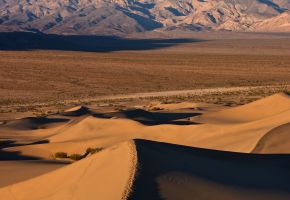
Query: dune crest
point(76, 111)
point(106, 175)
point(256, 110)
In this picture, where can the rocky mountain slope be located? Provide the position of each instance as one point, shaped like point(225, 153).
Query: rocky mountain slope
point(129, 16)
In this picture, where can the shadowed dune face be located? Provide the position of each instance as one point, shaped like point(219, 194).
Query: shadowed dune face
point(275, 141)
point(15, 155)
point(152, 118)
point(185, 173)
point(32, 41)
point(31, 123)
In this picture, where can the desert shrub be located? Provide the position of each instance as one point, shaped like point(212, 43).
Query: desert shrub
point(76, 156)
point(156, 108)
point(93, 150)
point(60, 155)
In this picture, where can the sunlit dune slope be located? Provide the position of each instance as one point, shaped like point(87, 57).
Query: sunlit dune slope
point(263, 108)
point(106, 175)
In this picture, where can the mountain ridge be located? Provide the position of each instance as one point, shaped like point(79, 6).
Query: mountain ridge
point(89, 17)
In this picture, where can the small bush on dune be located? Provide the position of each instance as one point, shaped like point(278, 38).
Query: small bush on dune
point(76, 157)
point(60, 155)
point(93, 150)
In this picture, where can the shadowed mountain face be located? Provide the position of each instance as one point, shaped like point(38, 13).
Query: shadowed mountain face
point(88, 17)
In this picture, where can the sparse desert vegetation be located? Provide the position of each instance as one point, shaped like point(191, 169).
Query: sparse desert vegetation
point(75, 156)
point(61, 155)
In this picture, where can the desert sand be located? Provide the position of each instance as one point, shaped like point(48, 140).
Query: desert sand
point(171, 151)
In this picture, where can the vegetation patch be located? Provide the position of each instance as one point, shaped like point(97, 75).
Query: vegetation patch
point(76, 156)
point(93, 150)
point(60, 155)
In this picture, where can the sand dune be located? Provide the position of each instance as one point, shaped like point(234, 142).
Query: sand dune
point(234, 152)
point(241, 136)
point(178, 173)
point(275, 141)
point(76, 111)
point(106, 175)
point(32, 123)
point(177, 106)
point(15, 171)
point(257, 110)
point(227, 130)
point(189, 173)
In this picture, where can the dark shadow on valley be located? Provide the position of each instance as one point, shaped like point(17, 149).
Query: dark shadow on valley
point(39, 41)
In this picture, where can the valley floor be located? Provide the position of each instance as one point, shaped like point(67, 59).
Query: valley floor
point(202, 61)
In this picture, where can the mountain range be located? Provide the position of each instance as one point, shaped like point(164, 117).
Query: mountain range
point(106, 17)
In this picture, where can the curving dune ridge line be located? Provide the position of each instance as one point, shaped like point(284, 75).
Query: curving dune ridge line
point(275, 141)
